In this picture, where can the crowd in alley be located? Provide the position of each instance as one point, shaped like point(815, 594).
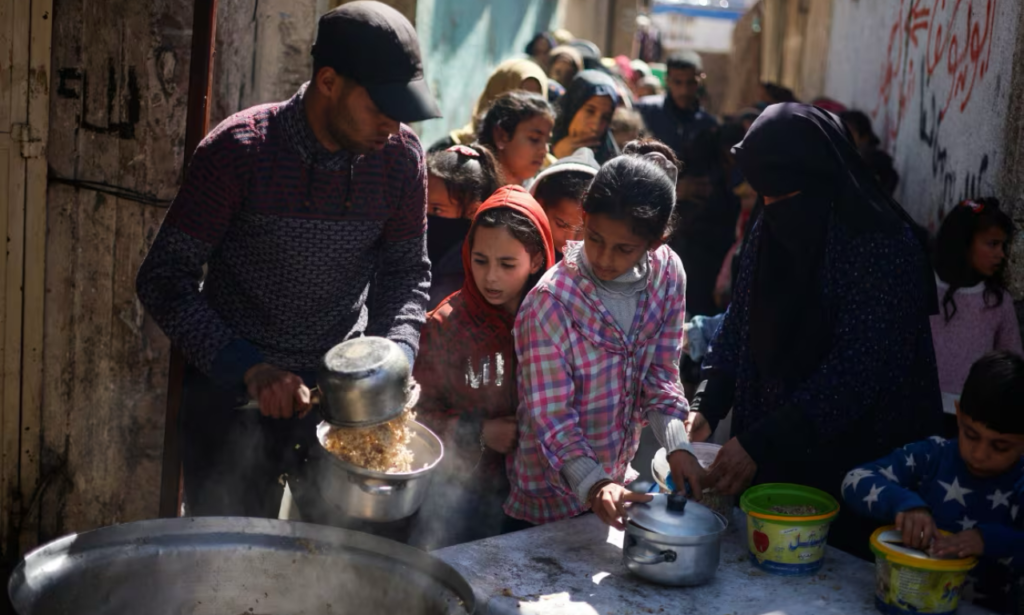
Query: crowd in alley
point(591, 255)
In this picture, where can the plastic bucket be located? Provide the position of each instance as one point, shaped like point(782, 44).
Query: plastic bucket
point(906, 582)
point(782, 543)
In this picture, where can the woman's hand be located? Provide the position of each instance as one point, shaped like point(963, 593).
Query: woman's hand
point(686, 470)
point(697, 427)
point(733, 469)
point(609, 503)
point(964, 544)
point(918, 528)
point(571, 143)
point(501, 434)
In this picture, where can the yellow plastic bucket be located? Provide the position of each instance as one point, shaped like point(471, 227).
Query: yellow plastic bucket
point(908, 581)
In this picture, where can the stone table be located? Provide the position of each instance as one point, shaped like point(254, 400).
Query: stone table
point(574, 567)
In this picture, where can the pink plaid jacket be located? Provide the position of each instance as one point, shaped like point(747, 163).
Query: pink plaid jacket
point(584, 388)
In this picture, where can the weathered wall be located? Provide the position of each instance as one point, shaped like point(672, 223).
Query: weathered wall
point(935, 76)
point(463, 40)
point(117, 116)
point(262, 53)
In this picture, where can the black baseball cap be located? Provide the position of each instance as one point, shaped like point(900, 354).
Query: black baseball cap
point(377, 47)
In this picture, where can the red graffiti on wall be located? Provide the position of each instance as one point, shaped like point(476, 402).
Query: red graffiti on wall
point(952, 38)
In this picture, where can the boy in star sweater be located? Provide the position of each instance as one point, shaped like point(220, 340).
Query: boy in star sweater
point(972, 486)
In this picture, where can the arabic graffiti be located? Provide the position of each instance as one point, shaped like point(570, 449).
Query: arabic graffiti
point(121, 96)
point(950, 41)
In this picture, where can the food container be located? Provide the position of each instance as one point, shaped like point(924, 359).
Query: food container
point(787, 527)
point(367, 495)
point(363, 382)
point(229, 565)
point(909, 581)
point(672, 541)
point(705, 453)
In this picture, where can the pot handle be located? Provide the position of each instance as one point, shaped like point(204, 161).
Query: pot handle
point(373, 488)
point(664, 556)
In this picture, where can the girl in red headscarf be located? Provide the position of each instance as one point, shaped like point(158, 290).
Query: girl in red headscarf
point(467, 369)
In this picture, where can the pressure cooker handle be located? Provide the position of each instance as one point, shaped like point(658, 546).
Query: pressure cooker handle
point(664, 556)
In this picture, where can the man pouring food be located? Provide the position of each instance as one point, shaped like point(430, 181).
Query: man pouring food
point(309, 216)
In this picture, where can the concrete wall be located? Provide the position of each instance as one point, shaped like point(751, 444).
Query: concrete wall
point(463, 40)
point(937, 77)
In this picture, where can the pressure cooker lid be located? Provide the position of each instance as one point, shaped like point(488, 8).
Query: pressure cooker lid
point(674, 515)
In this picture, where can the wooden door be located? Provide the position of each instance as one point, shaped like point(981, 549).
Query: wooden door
point(24, 109)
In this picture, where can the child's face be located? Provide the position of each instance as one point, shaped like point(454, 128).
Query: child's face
point(501, 267)
point(987, 453)
point(988, 251)
point(612, 247)
point(593, 118)
point(566, 218)
point(523, 154)
point(440, 203)
point(562, 71)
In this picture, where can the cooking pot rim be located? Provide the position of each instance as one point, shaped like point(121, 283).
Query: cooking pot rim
point(163, 533)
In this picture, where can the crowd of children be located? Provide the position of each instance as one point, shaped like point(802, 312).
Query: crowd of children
point(561, 246)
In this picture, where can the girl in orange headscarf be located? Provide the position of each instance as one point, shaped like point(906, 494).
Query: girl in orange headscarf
point(467, 368)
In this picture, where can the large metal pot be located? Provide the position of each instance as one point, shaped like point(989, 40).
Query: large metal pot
point(363, 382)
point(376, 496)
point(672, 541)
point(226, 565)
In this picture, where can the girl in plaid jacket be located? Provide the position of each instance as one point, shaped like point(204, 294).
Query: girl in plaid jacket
point(598, 342)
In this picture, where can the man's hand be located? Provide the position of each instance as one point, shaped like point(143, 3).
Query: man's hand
point(686, 470)
point(501, 434)
point(964, 544)
point(697, 427)
point(918, 528)
point(609, 503)
point(281, 394)
point(733, 469)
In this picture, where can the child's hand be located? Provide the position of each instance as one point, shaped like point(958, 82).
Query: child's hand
point(918, 528)
point(609, 503)
point(964, 544)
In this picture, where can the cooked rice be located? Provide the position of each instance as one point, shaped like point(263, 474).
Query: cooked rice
point(381, 448)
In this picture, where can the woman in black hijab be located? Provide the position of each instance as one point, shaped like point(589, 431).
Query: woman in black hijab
point(825, 355)
point(585, 117)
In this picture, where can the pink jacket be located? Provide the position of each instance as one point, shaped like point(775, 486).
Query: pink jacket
point(584, 389)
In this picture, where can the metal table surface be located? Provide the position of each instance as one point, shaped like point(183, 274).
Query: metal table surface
point(574, 567)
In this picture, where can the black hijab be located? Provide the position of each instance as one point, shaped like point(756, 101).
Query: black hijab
point(790, 148)
point(584, 86)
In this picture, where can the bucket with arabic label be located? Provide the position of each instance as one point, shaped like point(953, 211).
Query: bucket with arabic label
point(910, 581)
point(787, 527)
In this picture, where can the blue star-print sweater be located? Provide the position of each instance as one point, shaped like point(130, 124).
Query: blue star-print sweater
point(931, 474)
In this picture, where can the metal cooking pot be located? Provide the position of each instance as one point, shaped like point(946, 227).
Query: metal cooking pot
point(376, 496)
point(363, 382)
point(218, 565)
point(673, 541)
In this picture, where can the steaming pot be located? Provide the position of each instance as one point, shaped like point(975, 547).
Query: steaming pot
point(218, 565)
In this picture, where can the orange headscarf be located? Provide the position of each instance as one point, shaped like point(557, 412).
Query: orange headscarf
point(518, 199)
